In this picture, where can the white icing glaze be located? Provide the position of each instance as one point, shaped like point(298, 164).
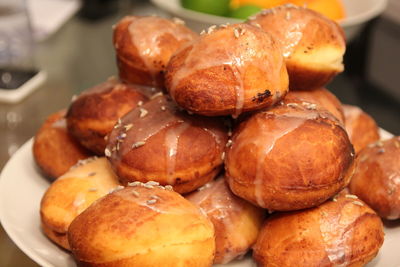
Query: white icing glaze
point(146, 33)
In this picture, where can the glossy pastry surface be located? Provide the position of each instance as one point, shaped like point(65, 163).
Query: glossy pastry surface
point(142, 225)
point(228, 70)
point(376, 179)
point(159, 142)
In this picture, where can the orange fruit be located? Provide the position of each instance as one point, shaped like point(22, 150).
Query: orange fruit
point(333, 9)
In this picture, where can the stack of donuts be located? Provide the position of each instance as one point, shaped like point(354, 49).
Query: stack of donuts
point(181, 160)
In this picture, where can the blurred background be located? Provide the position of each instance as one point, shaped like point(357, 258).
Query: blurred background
point(70, 40)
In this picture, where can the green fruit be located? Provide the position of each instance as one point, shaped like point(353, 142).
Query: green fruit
point(244, 12)
point(214, 7)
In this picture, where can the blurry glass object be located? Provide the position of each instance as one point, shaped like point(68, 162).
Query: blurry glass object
point(16, 43)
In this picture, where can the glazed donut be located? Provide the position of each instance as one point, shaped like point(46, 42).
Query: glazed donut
point(142, 225)
point(72, 193)
point(361, 128)
point(228, 70)
point(288, 158)
point(343, 232)
point(377, 177)
point(54, 149)
point(158, 142)
point(321, 97)
point(236, 221)
point(93, 114)
point(144, 46)
point(312, 45)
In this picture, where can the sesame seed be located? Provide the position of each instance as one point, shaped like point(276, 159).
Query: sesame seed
point(74, 97)
point(292, 105)
point(92, 189)
point(136, 183)
point(117, 146)
point(334, 199)
point(153, 183)
point(257, 25)
point(135, 193)
point(156, 95)
point(138, 144)
point(358, 203)
point(236, 33)
point(114, 149)
point(151, 201)
point(163, 108)
point(148, 186)
point(154, 197)
point(230, 133)
point(107, 152)
point(178, 21)
point(169, 187)
point(92, 174)
point(140, 103)
point(202, 32)
point(229, 143)
point(128, 126)
point(351, 196)
point(119, 187)
point(106, 137)
point(223, 155)
point(143, 112)
point(211, 29)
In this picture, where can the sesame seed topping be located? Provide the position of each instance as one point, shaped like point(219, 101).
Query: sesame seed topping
point(143, 112)
point(256, 24)
point(351, 196)
point(117, 146)
point(153, 183)
point(229, 143)
point(107, 152)
point(151, 201)
point(140, 103)
point(223, 155)
point(230, 132)
point(119, 187)
point(135, 193)
point(148, 185)
point(169, 187)
point(156, 95)
point(236, 32)
point(154, 197)
point(178, 21)
point(128, 126)
point(334, 199)
point(224, 25)
point(211, 29)
point(92, 174)
point(163, 108)
point(138, 144)
point(202, 32)
point(292, 105)
point(106, 138)
point(74, 97)
point(136, 183)
point(358, 203)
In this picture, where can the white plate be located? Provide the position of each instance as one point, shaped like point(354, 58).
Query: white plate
point(357, 13)
point(22, 187)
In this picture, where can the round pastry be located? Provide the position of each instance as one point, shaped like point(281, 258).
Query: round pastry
point(157, 142)
point(142, 225)
point(288, 158)
point(361, 128)
point(377, 177)
point(72, 193)
point(93, 114)
point(228, 70)
point(144, 46)
point(312, 45)
point(54, 149)
point(321, 97)
point(236, 221)
point(343, 232)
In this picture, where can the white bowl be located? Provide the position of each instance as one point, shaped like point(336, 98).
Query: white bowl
point(358, 12)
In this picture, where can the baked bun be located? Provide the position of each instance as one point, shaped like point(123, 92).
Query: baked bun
point(157, 142)
point(229, 70)
point(321, 97)
point(54, 149)
point(288, 158)
point(142, 225)
point(376, 179)
point(236, 221)
point(344, 232)
point(93, 114)
point(144, 46)
point(312, 45)
point(72, 193)
point(361, 128)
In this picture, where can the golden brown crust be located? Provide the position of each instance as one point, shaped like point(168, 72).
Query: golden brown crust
point(175, 148)
point(322, 97)
point(94, 113)
point(142, 226)
point(361, 128)
point(72, 193)
point(144, 46)
point(341, 232)
point(232, 69)
point(376, 179)
point(312, 44)
point(61, 239)
point(54, 149)
point(289, 158)
point(236, 221)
